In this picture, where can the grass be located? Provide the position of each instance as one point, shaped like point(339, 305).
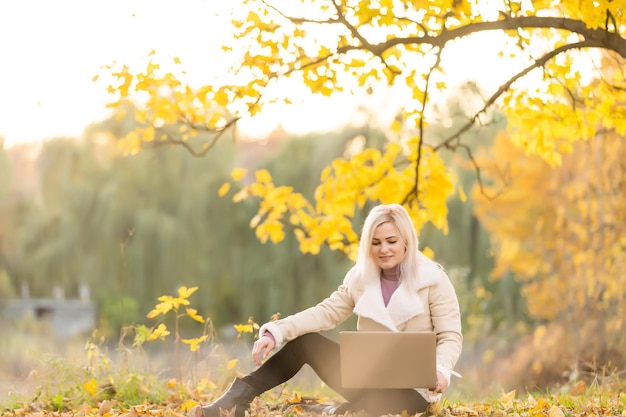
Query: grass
point(39, 377)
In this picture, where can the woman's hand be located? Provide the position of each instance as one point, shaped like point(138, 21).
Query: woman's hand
point(262, 348)
point(442, 384)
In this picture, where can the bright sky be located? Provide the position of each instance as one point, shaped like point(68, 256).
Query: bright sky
point(50, 51)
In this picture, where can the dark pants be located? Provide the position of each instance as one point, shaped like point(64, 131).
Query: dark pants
point(322, 354)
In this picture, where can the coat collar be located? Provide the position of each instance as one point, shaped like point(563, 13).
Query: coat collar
point(405, 302)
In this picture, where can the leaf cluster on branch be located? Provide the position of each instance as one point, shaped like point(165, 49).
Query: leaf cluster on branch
point(331, 46)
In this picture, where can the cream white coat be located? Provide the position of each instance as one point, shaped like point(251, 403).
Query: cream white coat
point(427, 302)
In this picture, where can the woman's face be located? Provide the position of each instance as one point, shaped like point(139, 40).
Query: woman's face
point(387, 248)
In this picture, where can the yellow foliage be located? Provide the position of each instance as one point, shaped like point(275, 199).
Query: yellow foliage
point(507, 398)
point(184, 292)
point(263, 176)
point(369, 175)
point(243, 328)
point(428, 252)
point(159, 333)
point(555, 411)
point(91, 386)
point(237, 174)
point(558, 229)
point(194, 344)
point(249, 327)
point(462, 194)
point(193, 313)
point(188, 405)
point(359, 43)
point(224, 189)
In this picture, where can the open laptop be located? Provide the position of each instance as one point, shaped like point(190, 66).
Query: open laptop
point(388, 359)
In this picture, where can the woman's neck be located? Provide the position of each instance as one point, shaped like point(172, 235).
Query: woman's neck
point(392, 274)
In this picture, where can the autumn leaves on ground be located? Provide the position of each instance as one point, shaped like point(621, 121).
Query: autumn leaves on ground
point(127, 383)
point(93, 385)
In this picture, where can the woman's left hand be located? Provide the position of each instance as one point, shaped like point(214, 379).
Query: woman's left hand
point(442, 384)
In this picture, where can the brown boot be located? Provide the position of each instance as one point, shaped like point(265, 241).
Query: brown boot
point(239, 395)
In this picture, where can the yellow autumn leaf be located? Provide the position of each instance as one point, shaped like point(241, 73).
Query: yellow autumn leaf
point(241, 195)
point(428, 252)
point(296, 398)
point(243, 328)
point(396, 126)
point(579, 389)
point(275, 231)
point(263, 176)
point(105, 408)
point(184, 292)
point(237, 174)
point(555, 411)
point(91, 387)
point(194, 344)
point(221, 97)
point(161, 308)
point(310, 246)
point(507, 399)
point(462, 194)
point(224, 189)
point(232, 363)
point(148, 134)
point(255, 220)
point(193, 313)
point(206, 384)
point(188, 405)
point(159, 333)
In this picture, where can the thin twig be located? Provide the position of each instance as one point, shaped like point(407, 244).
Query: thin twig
point(415, 191)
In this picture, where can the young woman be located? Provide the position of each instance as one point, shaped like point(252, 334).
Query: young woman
point(391, 287)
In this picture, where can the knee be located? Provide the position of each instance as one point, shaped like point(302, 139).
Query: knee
point(308, 341)
point(307, 338)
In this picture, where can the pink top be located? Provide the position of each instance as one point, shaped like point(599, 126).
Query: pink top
point(389, 282)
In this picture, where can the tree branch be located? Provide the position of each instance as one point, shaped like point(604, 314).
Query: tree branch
point(448, 143)
point(506, 86)
point(353, 30)
point(420, 142)
point(297, 20)
point(481, 185)
point(598, 37)
point(171, 140)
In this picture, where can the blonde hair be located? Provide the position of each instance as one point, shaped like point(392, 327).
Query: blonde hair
point(399, 216)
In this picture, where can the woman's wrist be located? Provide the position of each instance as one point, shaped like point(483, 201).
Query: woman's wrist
point(269, 335)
